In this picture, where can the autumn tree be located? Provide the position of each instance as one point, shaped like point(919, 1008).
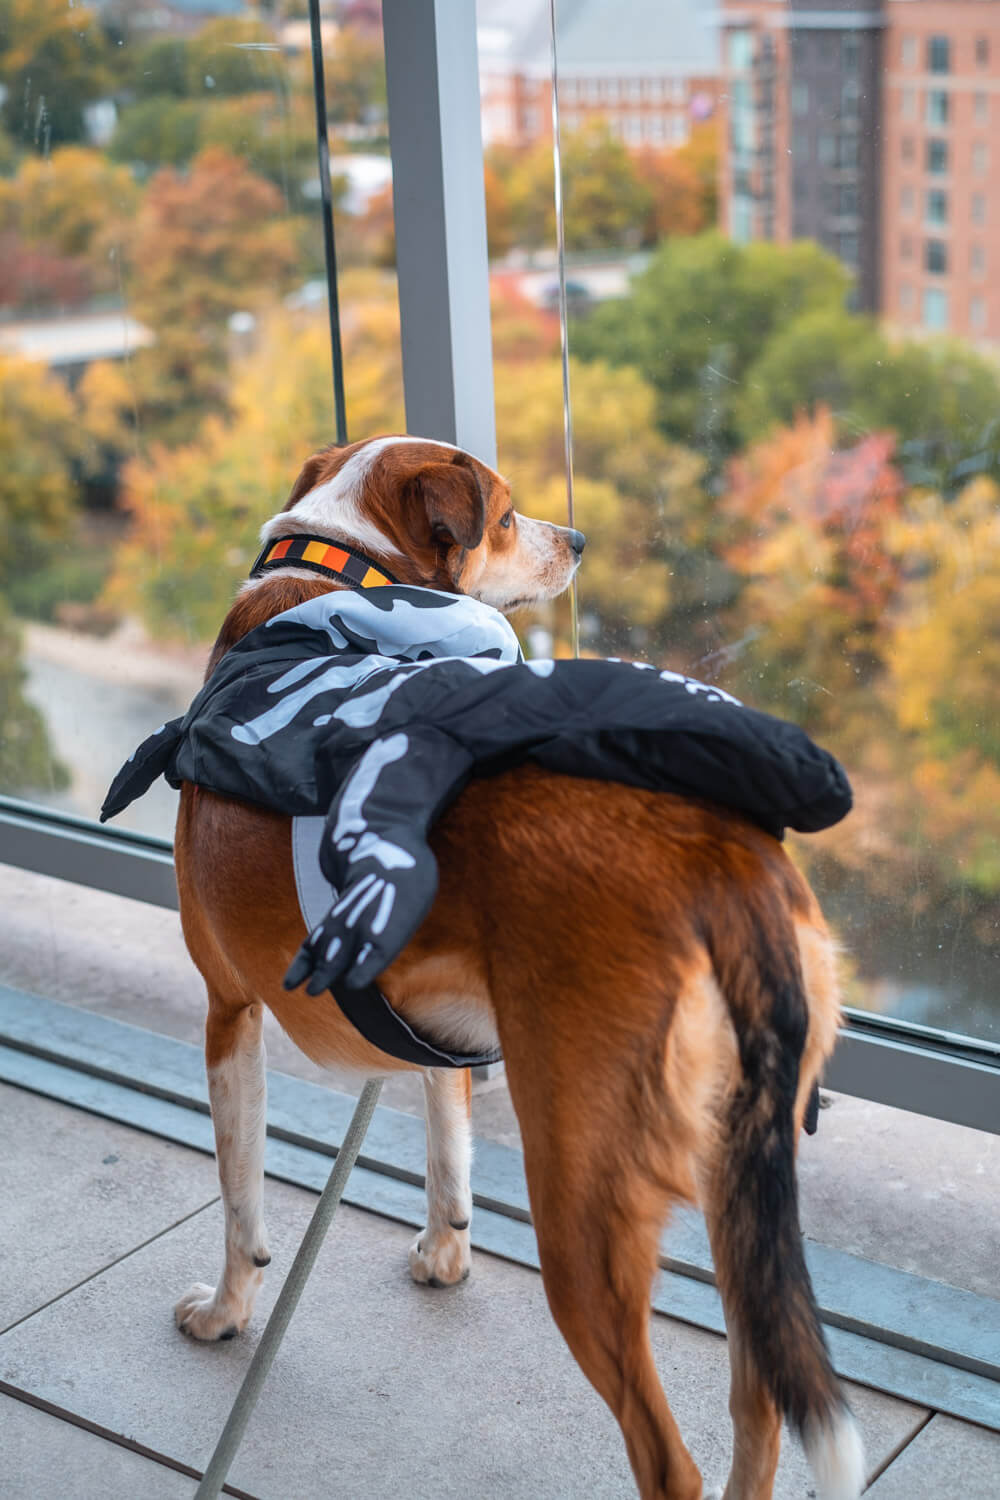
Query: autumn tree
point(53, 63)
point(606, 203)
point(810, 537)
point(207, 244)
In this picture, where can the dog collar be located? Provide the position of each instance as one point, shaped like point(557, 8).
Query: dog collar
point(320, 555)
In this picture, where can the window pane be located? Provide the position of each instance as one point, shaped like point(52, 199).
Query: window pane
point(939, 54)
point(768, 361)
point(165, 355)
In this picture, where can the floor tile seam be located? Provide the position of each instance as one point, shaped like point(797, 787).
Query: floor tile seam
point(118, 1439)
point(109, 1265)
point(901, 1448)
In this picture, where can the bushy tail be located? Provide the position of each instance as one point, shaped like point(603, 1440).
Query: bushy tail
point(757, 1241)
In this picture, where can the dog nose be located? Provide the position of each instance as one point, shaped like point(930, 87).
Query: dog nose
point(577, 541)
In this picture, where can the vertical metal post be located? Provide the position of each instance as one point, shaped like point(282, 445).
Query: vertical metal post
point(326, 212)
point(432, 80)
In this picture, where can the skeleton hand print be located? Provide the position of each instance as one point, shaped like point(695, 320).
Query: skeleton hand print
point(375, 855)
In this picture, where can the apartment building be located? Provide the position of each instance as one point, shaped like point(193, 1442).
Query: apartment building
point(649, 71)
point(941, 152)
point(872, 126)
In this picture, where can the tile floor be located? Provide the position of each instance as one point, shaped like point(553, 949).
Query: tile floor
point(380, 1389)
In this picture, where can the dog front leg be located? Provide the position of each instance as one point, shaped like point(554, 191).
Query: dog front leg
point(440, 1256)
point(237, 1087)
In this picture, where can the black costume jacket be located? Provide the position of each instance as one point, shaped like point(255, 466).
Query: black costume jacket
point(374, 708)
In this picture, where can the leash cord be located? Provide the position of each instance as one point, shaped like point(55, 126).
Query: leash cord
point(563, 318)
point(288, 1297)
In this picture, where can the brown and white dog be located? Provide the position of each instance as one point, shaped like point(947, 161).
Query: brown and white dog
point(663, 1012)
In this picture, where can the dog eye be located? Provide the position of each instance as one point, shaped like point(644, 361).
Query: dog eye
point(506, 520)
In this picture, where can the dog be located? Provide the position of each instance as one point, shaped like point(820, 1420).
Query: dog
point(664, 1014)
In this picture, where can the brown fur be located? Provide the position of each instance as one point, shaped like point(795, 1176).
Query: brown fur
point(623, 945)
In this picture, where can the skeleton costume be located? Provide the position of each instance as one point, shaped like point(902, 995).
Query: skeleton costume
point(363, 713)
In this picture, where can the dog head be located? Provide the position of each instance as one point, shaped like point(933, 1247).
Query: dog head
point(435, 516)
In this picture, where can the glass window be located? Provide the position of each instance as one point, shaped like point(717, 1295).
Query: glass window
point(935, 309)
point(937, 156)
point(847, 249)
point(938, 105)
point(908, 103)
point(982, 51)
point(826, 148)
point(939, 55)
point(847, 200)
point(905, 247)
point(979, 208)
point(850, 53)
point(800, 100)
point(906, 201)
point(936, 206)
point(908, 148)
point(980, 158)
point(977, 260)
point(850, 99)
point(908, 51)
point(977, 313)
point(981, 108)
point(936, 257)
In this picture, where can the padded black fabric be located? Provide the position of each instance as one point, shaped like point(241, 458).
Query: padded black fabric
point(375, 708)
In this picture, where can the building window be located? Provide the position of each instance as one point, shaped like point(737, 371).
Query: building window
point(939, 55)
point(977, 260)
point(937, 157)
point(594, 90)
point(908, 104)
point(982, 51)
point(908, 52)
point(635, 88)
point(906, 202)
point(982, 109)
point(847, 200)
point(905, 248)
point(980, 158)
point(936, 257)
point(611, 90)
point(847, 249)
point(935, 309)
point(850, 99)
point(936, 206)
point(906, 296)
point(633, 129)
point(850, 53)
point(979, 208)
point(848, 151)
point(908, 148)
point(826, 149)
point(800, 100)
point(937, 107)
point(977, 314)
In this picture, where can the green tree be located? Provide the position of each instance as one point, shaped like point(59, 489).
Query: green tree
point(53, 63)
point(941, 399)
point(73, 204)
point(230, 57)
point(26, 760)
point(157, 132)
point(696, 320)
point(354, 68)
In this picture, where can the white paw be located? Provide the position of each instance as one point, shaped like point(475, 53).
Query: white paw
point(203, 1315)
point(440, 1257)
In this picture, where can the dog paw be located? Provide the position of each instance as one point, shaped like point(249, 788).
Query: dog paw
point(201, 1314)
point(441, 1257)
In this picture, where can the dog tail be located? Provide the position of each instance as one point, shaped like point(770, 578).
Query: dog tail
point(757, 1241)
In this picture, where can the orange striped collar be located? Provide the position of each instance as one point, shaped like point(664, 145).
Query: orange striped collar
point(320, 555)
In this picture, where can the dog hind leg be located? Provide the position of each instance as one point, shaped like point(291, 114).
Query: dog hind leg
point(235, 1062)
point(440, 1255)
point(599, 1186)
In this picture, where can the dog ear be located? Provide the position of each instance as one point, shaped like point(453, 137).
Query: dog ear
point(453, 500)
point(309, 476)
